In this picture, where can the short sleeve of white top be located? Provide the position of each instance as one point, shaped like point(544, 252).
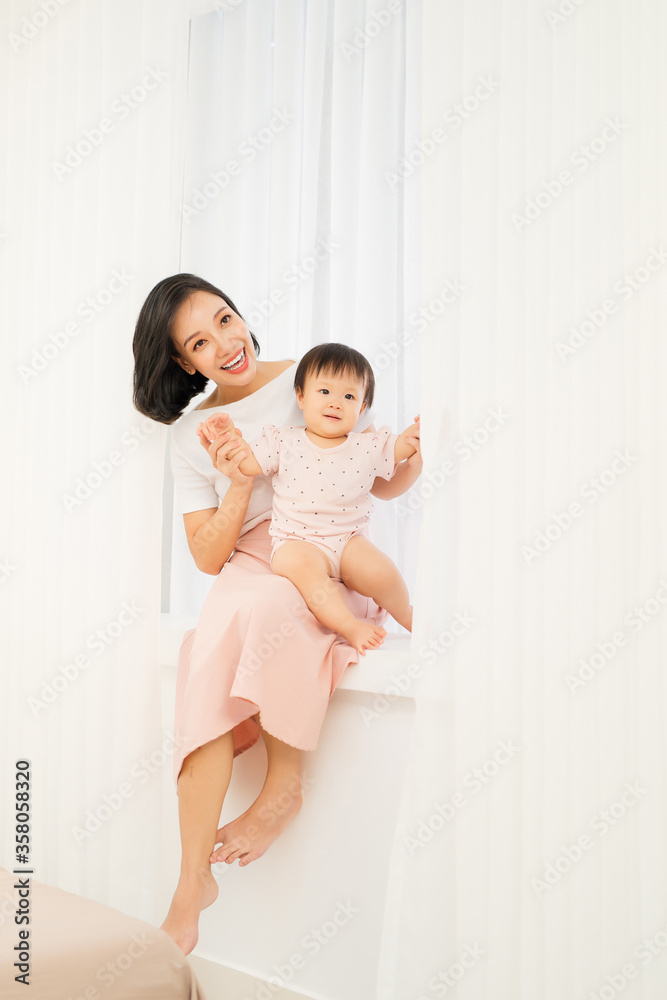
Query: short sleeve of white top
point(198, 485)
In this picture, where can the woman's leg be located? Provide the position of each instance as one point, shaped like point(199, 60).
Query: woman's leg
point(246, 838)
point(202, 786)
point(308, 569)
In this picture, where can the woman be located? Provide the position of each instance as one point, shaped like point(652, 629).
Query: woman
point(258, 659)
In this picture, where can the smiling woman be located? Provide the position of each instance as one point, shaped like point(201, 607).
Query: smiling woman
point(228, 690)
point(165, 377)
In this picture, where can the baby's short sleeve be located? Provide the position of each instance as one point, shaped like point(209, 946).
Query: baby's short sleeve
point(383, 443)
point(266, 449)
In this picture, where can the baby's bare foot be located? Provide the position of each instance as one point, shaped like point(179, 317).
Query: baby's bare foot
point(194, 893)
point(363, 635)
point(248, 836)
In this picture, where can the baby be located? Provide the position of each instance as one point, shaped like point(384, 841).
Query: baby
point(322, 478)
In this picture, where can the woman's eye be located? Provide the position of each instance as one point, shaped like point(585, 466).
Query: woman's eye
point(198, 342)
point(222, 318)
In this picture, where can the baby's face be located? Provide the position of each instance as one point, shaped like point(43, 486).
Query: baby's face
point(331, 404)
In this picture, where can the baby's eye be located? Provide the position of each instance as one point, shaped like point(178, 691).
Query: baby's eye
point(323, 390)
point(349, 395)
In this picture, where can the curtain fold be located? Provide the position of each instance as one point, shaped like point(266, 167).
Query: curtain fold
point(307, 236)
point(93, 106)
point(537, 806)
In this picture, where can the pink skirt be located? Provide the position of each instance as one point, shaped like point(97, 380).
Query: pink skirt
point(258, 648)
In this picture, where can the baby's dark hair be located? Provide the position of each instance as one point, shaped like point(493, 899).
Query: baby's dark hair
point(336, 359)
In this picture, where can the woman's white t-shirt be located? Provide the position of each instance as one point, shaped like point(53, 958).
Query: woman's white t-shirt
point(198, 484)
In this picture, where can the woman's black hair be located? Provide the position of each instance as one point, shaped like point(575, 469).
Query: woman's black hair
point(162, 389)
point(337, 359)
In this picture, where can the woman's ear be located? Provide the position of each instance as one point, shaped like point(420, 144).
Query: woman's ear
point(184, 365)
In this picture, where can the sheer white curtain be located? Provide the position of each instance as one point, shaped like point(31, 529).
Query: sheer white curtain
point(93, 107)
point(532, 862)
point(292, 122)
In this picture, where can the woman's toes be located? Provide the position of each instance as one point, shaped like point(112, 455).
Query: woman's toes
point(247, 858)
point(221, 854)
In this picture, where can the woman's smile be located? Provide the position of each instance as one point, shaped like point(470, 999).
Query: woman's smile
point(238, 363)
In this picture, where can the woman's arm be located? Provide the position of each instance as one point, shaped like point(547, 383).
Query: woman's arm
point(407, 472)
point(213, 533)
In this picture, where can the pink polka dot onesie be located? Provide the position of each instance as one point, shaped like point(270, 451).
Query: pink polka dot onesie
point(322, 495)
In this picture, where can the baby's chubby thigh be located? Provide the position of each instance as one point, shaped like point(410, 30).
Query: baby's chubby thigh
point(300, 561)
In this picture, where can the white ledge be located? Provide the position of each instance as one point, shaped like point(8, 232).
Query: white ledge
point(373, 674)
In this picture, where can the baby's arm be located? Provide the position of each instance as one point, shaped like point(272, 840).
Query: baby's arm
point(404, 448)
point(221, 423)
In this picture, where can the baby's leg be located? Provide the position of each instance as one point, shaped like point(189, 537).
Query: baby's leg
point(370, 572)
point(308, 569)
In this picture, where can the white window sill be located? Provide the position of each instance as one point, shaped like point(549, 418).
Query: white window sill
point(372, 675)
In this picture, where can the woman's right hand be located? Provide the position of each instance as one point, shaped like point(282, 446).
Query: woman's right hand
point(223, 447)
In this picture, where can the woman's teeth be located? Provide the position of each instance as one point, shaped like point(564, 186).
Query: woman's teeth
point(236, 362)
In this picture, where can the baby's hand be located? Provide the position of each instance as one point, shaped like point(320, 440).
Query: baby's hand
point(215, 425)
point(415, 461)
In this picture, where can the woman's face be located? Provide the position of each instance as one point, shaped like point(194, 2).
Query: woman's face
point(213, 340)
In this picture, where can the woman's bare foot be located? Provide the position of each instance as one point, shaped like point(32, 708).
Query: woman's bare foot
point(248, 837)
point(362, 635)
point(194, 892)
